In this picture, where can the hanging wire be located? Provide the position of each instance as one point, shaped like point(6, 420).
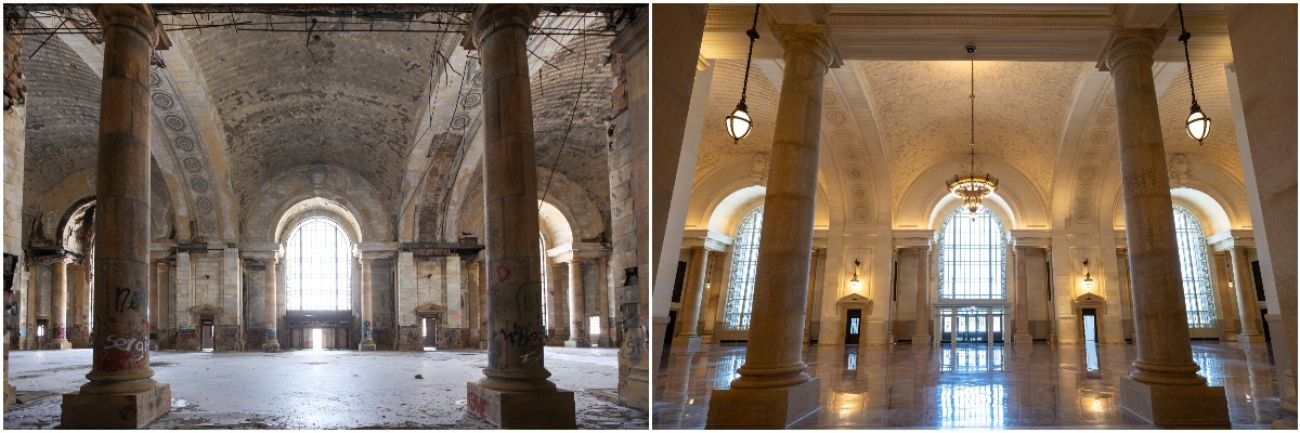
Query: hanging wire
point(970, 52)
point(753, 36)
point(1184, 37)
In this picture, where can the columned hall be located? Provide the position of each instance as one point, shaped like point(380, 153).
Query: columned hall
point(326, 216)
point(974, 216)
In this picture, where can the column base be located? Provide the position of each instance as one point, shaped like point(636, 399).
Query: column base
point(1245, 340)
point(116, 411)
point(921, 342)
point(1175, 405)
point(531, 410)
point(58, 345)
point(771, 408)
point(367, 346)
point(571, 343)
point(604, 341)
point(271, 346)
point(691, 344)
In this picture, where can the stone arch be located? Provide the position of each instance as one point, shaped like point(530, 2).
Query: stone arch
point(571, 200)
point(926, 201)
point(342, 193)
point(313, 208)
point(554, 225)
point(713, 193)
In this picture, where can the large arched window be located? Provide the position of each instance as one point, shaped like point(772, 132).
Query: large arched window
point(1195, 269)
point(972, 257)
point(744, 263)
point(318, 258)
point(546, 280)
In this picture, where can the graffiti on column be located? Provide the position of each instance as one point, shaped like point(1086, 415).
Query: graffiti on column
point(270, 333)
point(125, 346)
point(366, 332)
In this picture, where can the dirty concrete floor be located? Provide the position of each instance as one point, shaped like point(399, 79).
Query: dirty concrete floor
point(317, 389)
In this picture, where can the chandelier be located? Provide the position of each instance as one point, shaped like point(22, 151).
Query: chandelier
point(738, 122)
point(1198, 124)
point(972, 188)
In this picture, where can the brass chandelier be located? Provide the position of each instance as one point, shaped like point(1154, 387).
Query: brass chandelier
point(972, 188)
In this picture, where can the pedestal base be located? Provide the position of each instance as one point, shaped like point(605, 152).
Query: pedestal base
point(58, 345)
point(604, 341)
point(691, 344)
point(763, 408)
point(367, 346)
point(116, 411)
point(271, 346)
point(531, 410)
point(1175, 405)
point(571, 343)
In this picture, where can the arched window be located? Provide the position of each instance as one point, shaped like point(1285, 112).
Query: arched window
point(1195, 269)
point(546, 280)
point(972, 257)
point(319, 261)
point(744, 263)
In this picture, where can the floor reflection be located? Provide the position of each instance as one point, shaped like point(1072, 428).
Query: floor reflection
point(971, 385)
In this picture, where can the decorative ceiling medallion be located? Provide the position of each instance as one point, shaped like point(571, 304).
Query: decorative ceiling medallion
point(174, 122)
point(185, 143)
point(163, 100)
point(192, 164)
point(199, 184)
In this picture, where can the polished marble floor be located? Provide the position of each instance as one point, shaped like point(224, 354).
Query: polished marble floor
point(973, 385)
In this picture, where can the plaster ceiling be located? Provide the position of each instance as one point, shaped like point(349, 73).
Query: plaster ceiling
point(923, 112)
point(1220, 147)
point(62, 114)
point(718, 147)
point(289, 99)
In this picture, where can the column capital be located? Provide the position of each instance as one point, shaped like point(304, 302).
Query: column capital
point(138, 17)
point(807, 38)
point(1129, 43)
point(489, 18)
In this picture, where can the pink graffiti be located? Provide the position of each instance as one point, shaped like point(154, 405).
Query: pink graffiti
point(503, 272)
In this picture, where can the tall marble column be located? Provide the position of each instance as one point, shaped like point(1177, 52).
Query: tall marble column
point(921, 329)
point(602, 301)
point(1022, 335)
point(690, 319)
point(367, 305)
point(121, 392)
point(59, 307)
point(514, 392)
point(1247, 307)
point(578, 335)
point(1163, 387)
point(774, 389)
point(270, 311)
point(33, 292)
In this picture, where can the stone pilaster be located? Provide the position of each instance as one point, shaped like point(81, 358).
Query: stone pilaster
point(514, 392)
point(921, 329)
point(1022, 335)
point(367, 305)
point(602, 301)
point(59, 307)
point(689, 334)
point(557, 305)
point(774, 389)
point(578, 335)
point(271, 311)
point(121, 392)
point(1163, 387)
point(33, 293)
point(1243, 283)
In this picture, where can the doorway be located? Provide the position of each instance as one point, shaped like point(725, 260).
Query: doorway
point(1090, 325)
point(317, 339)
point(207, 334)
point(428, 333)
point(853, 327)
point(971, 324)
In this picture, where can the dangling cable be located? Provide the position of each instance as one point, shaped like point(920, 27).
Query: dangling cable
point(1184, 37)
point(753, 36)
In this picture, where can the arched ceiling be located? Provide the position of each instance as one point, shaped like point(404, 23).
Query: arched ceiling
point(923, 113)
point(1220, 147)
point(62, 132)
point(290, 99)
point(716, 147)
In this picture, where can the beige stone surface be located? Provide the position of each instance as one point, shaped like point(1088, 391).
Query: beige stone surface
point(131, 410)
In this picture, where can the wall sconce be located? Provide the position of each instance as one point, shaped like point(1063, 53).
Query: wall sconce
point(855, 284)
point(1088, 283)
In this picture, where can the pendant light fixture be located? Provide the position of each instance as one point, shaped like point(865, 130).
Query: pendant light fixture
point(1198, 124)
point(1088, 283)
point(971, 188)
point(855, 284)
point(738, 122)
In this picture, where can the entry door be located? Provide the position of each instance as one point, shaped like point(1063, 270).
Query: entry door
point(1090, 325)
point(853, 327)
point(207, 334)
point(430, 331)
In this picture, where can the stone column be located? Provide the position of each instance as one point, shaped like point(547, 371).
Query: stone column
point(367, 305)
point(79, 308)
point(163, 324)
point(578, 335)
point(557, 305)
point(690, 319)
point(1163, 387)
point(1022, 336)
point(602, 301)
point(514, 392)
point(32, 342)
point(59, 307)
point(121, 392)
point(270, 311)
point(1247, 307)
point(921, 329)
point(774, 389)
